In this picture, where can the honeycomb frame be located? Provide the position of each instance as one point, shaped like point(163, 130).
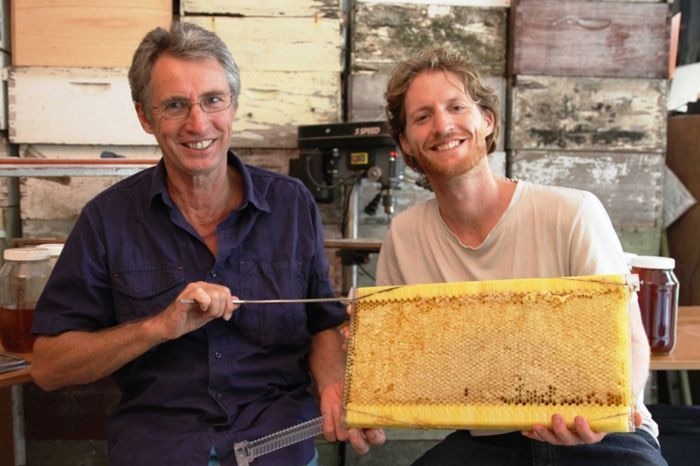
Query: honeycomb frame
point(529, 348)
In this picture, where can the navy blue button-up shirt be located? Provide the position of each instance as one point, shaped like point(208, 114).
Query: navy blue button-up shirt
point(132, 252)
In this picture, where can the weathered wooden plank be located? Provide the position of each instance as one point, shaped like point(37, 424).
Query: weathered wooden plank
point(483, 3)
point(50, 206)
point(640, 241)
point(384, 34)
point(72, 106)
point(574, 38)
point(630, 185)
point(84, 106)
point(309, 8)
point(279, 44)
point(365, 97)
point(588, 114)
point(82, 33)
point(274, 104)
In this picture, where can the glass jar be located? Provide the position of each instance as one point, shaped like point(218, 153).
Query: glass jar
point(54, 251)
point(22, 280)
point(658, 300)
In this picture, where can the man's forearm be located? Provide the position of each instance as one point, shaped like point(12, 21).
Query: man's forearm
point(78, 357)
point(327, 358)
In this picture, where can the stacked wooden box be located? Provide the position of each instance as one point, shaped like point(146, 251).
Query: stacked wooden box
point(69, 96)
point(588, 105)
point(290, 55)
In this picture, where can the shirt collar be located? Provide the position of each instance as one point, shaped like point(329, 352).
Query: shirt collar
point(251, 194)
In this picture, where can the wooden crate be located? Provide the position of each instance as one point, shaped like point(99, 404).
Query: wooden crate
point(579, 38)
point(290, 8)
point(290, 74)
point(630, 185)
point(305, 44)
point(591, 114)
point(274, 103)
point(73, 106)
point(383, 34)
point(641, 241)
point(83, 106)
point(82, 32)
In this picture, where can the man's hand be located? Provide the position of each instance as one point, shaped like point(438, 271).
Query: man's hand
point(580, 434)
point(560, 434)
point(333, 428)
point(211, 302)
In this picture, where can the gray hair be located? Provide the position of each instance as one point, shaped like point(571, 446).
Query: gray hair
point(184, 40)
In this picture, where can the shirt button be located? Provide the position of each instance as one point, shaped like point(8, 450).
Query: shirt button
point(213, 273)
point(217, 355)
point(219, 396)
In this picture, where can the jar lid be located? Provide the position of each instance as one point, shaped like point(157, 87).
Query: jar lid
point(628, 257)
point(53, 248)
point(654, 262)
point(25, 254)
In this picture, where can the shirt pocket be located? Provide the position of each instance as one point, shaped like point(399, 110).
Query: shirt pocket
point(142, 293)
point(272, 324)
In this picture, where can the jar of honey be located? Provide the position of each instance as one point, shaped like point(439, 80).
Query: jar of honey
point(658, 300)
point(54, 249)
point(22, 280)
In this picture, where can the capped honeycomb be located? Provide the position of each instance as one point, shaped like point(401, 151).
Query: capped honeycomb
point(500, 354)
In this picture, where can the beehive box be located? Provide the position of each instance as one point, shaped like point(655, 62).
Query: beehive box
point(575, 38)
point(469, 355)
point(384, 34)
point(630, 185)
point(82, 32)
point(73, 106)
point(290, 57)
point(582, 113)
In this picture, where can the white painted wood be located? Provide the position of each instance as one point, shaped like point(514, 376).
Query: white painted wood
point(630, 185)
point(279, 44)
point(483, 3)
point(326, 8)
point(273, 104)
point(72, 106)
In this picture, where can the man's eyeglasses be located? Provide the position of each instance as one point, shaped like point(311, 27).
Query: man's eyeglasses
point(180, 108)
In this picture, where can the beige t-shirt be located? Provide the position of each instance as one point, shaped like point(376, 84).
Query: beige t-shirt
point(546, 231)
